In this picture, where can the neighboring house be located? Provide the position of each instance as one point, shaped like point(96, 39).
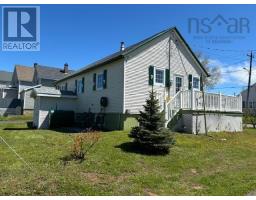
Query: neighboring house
point(251, 107)
point(6, 91)
point(44, 76)
point(5, 79)
point(9, 104)
point(117, 86)
point(22, 78)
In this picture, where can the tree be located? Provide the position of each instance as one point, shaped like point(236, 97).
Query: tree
point(151, 134)
point(214, 71)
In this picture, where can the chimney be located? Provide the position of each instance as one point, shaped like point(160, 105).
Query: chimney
point(65, 68)
point(35, 64)
point(122, 46)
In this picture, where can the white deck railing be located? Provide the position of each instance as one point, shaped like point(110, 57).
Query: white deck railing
point(193, 100)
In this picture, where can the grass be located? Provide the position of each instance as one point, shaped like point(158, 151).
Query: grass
point(26, 117)
point(219, 164)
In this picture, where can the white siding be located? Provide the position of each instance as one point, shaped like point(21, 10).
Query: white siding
point(36, 112)
point(44, 104)
point(90, 99)
point(155, 53)
point(28, 101)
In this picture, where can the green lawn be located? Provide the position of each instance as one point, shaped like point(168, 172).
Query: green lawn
point(223, 164)
point(26, 117)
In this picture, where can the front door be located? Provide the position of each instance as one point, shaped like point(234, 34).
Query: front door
point(178, 83)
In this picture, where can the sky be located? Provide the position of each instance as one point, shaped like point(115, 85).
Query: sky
point(81, 34)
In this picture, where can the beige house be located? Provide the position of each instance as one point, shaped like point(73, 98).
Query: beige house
point(122, 82)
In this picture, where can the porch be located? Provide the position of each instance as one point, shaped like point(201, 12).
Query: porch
point(191, 103)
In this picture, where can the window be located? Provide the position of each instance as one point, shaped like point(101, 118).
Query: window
point(99, 82)
point(196, 83)
point(250, 104)
point(243, 104)
point(178, 84)
point(79, 86)
point(159, 77)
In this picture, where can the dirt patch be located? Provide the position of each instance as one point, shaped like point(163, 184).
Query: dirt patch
point(97, 178)
point(197, 187)
point(252, 193)
point(149, 193)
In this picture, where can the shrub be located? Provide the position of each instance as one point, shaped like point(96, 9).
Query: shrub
point(250, 118)
point(150, 133)
point(30, 125)
point(83, 142)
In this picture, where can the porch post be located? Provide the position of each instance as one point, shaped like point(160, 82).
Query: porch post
point(240, 103)
point(192, 98)
point(165, 113)
point(220, 102)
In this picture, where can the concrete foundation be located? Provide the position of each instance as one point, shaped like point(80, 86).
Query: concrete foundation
point(193, 122)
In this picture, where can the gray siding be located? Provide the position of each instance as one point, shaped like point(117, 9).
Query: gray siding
point(90, 99)
point(155, 53)
point(28, 101)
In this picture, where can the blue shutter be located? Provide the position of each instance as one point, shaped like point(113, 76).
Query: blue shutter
point(94, 82)
point(190, 81)
point(83, 85)
point(76, 86)
point(151, 75)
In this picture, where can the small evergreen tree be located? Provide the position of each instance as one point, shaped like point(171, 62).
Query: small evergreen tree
point(150, 133)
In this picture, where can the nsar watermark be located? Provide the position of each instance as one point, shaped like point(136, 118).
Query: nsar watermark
point(219, 29)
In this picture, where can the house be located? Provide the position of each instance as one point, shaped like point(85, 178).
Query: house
point(22, 78)
point(115, 88)
point(44, 76)
point(6, 91)
point(251, 107)
point(8, 102)
point(5, 79)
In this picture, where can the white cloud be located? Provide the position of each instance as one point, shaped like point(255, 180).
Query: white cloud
point(234, 74)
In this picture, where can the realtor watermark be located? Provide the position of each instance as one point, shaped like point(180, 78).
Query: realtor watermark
point(20, 28)
point(219, 29)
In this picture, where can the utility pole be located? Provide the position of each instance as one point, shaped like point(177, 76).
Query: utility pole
point(205, 123)
point(249, 80)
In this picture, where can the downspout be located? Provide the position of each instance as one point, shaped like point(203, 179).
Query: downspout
point(169, 65)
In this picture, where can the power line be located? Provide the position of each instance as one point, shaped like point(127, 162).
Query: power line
point(224, 88)
point(222, 50)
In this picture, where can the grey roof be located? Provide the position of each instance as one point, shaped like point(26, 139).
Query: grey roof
point(5, 76)
point(51, 91)
point(31, 88)
point(51, 73)
point(120, 54)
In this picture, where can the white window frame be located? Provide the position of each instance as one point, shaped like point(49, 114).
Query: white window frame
point(97, 78)
point(159, 69)
point(79, 86)
point(182, 84)
point(198, 82)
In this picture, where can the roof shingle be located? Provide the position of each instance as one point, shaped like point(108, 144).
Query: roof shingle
point(24, 73)
point(51, 73)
